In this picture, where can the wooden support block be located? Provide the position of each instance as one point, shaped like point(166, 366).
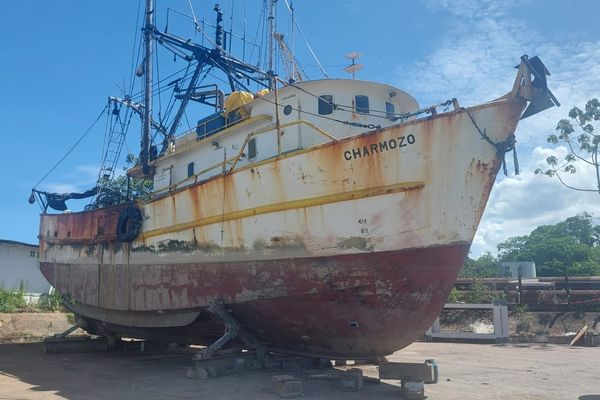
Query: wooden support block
point(286, 386)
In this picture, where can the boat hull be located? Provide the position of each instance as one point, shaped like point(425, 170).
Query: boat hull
point(363, 305)
point(347, 249)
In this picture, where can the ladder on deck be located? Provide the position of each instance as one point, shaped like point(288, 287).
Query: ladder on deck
point(114, 145)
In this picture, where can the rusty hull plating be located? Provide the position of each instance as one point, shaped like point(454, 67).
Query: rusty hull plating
point(344, 249)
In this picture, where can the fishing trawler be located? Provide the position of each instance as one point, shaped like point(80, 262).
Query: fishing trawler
point(322, 217)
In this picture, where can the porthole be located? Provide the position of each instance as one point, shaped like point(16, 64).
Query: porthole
point(325, 104)
point(252, 148)
point(287, 110)
point(390, 111)
point(362, 104)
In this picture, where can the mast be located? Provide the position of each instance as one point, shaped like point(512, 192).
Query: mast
point(271, 42)
point(147, 123)
point(293, 43)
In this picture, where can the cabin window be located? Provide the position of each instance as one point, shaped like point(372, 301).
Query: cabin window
point(325, 104)
point(252, 148)
point(390, 111)
point(190, 169)
point(362, 104)
point(32, 253)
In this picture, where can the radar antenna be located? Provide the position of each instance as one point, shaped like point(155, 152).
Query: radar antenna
point(352, 68)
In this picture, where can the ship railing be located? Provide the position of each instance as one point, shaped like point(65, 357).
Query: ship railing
point(228, 165)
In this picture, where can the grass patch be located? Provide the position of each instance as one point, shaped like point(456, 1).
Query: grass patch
point(50, 302)
point(12, 300)
point(15, 300)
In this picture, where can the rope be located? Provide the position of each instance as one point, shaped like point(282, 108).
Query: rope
point(501, 147)
point(72, 147)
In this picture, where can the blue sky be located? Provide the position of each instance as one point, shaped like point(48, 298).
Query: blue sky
point(60, 61)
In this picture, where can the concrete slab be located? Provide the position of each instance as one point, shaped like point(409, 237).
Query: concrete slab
point(467, 371)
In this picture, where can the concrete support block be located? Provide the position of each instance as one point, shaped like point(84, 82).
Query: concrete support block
point(422, 372)
point(351, 380)
point(286, 386)
point(412, 390)
point(74, 345)
point(196, 373)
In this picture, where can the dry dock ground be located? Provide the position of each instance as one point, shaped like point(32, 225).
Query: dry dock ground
point(468, 371)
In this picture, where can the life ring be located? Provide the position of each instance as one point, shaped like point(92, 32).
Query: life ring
point(129, 224)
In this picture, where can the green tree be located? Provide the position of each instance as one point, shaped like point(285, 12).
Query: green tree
point(571, 247)
point(513, 249)
point(578, 134)
point(486, 266)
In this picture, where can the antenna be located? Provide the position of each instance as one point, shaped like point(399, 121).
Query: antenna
point(352, 68)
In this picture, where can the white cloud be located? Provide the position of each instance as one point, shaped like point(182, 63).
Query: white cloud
point(473, 62)
point(54, 187)
point(80, 178)
point(518, 204)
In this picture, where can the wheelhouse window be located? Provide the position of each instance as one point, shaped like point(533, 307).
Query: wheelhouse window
point(325, 104)
point(390, 111)
point(252, 148)
point(190, 171)
point(361, 104)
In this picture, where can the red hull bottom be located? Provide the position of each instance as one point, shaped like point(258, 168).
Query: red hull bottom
point(368, 304)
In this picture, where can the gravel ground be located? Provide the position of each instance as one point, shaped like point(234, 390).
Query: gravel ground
point(468, 371)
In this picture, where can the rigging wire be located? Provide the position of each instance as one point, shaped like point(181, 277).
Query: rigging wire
point(134, 59)
point(138, 95)
point(106, 134)
point(193, 15)
point(172, 99)
point(306, 42)
point(72, 147)
point(157, 68)
point(231, 24)
point(196, 24)
point(256, 36)
point(342, 107)
point(187, 121)
point(402, 116)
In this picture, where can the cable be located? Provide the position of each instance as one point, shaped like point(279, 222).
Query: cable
point(157, 69)
point(134, 60)
point(368, 126)
point(307, 44)
point(72, 147)
point(346, 108)
point(139, 94)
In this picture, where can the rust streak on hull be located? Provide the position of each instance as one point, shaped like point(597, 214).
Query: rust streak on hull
point(353, 306)
point(346, 249)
